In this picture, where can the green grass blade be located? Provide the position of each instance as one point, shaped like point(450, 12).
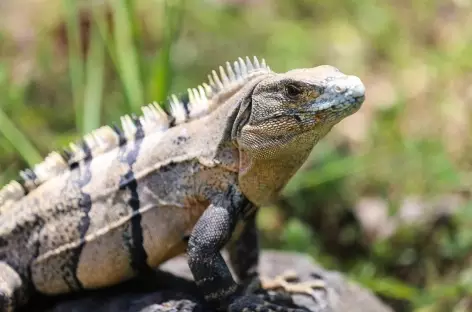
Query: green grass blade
point(136, 29)
point(160, 79)
point(76, 66)
point(126, 56)
point(101, 21)
point(93, 91)
point(18, 140)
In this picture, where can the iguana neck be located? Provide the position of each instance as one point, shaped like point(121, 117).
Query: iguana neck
point(263, 177)
point(261, 180)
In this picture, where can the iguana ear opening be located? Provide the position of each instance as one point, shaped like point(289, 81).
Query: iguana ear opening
point(242, 118)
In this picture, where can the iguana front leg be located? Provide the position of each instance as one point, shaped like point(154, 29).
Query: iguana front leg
point(244, 257)
point(210, 234)
point(211, 273)
point(244, 252)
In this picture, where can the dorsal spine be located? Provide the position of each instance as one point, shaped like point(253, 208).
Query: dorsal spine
point(201, 100)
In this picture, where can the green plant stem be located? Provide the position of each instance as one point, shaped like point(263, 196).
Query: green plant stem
point(93, 91)
point(19, 141)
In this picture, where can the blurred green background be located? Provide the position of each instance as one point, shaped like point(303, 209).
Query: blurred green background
point(384, 198)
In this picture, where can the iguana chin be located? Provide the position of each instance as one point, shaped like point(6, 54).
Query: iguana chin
point(122, 202)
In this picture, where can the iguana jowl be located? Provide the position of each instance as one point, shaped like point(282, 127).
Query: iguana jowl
point(123, 201)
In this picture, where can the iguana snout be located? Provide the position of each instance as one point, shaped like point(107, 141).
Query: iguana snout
point(341, 93)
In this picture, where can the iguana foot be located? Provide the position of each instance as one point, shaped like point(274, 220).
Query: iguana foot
point(287, 282)
point(254, 303)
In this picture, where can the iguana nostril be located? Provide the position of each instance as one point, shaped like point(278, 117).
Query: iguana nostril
point(339, 89)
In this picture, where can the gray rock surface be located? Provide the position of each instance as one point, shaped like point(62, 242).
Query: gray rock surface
point(171, 289)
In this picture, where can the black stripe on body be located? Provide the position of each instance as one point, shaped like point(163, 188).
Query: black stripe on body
point(128, 182)
point(85, 204)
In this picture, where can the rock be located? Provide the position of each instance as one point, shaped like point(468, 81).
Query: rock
point(171, 289)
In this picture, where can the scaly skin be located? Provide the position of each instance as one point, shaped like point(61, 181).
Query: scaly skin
point(120, 204)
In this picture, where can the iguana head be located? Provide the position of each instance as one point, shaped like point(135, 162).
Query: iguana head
point(284, 117)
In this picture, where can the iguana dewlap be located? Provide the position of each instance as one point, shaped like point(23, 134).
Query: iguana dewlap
point(122, 201)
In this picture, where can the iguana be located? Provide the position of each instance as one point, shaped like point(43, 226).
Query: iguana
point(123, 201)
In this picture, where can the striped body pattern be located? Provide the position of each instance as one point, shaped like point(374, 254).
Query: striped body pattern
point(125, 199)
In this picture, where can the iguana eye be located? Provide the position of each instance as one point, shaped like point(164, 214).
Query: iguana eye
point(292, 91)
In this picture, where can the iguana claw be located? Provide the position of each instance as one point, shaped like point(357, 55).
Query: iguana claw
point(286, 282)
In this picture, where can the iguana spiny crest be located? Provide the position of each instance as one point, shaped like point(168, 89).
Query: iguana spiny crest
point(201, 100)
